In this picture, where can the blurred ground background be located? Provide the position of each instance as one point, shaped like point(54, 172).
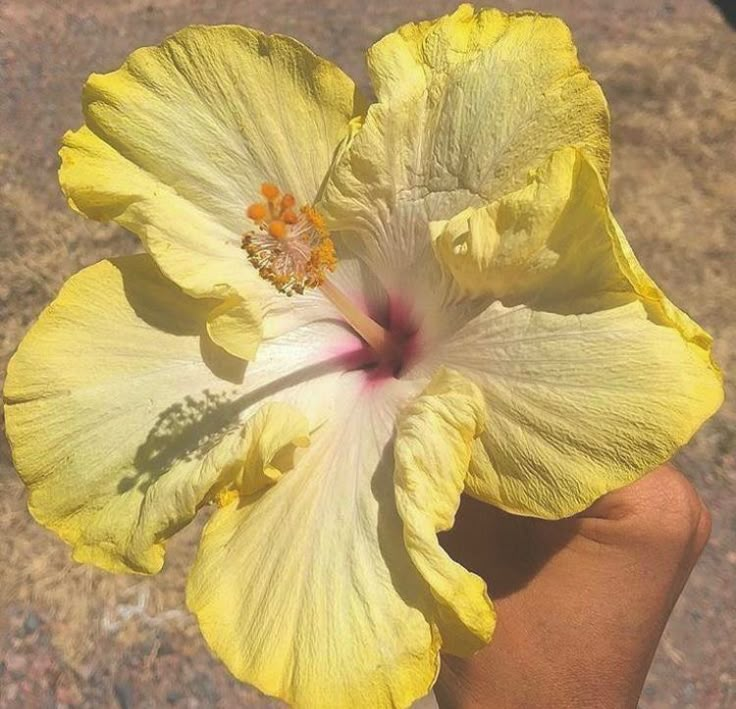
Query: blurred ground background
point(72, 636)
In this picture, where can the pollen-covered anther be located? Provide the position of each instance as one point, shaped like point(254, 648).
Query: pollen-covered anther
point(291, 249)
point(257, 212)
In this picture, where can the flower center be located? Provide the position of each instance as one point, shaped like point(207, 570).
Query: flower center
point(293, 251)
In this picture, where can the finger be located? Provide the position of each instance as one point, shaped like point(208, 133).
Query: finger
point(661, 518)
point(662, 509)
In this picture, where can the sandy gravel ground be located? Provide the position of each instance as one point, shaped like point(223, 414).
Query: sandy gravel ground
point(72, 636)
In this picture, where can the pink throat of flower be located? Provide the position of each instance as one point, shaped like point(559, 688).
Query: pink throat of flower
point(388, 348)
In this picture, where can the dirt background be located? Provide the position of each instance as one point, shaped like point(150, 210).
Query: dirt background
point(73, 636)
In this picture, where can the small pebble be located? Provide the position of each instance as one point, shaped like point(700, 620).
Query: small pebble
point(689, 691)
point(174, 697)
point(165, 648)
point(31, 624)
point(124, 694)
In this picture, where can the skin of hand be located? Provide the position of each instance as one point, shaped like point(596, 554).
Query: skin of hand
point(581, 602)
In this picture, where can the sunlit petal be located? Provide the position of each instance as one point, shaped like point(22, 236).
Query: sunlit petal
point(554, 245)
point(236, 325)
point(122, 414)
point(178, 141)
point(434, 440)
point(578, 405)
point(302, 590)
point(467, 105)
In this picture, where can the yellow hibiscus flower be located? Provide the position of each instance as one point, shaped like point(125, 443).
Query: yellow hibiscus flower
point(347, 316)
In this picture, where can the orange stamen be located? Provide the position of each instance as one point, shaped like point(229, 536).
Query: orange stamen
point(315, 218)
point(290, 248)
point(289, 216)
point(256, 212)
point(293, 251)
point(269, 191)
point(277, 229)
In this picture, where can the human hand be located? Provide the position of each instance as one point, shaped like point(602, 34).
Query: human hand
point(581, 602)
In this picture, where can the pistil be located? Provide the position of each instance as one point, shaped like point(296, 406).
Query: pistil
point(377, 337)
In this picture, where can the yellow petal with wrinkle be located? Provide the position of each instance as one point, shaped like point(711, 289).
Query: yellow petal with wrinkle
point(506, 249)
point(467, 105)
point(434, 439)
point(505, 90)
point(301, 588)
point(554, 245)
point(122, 415)
point(578, 405)
point(112, 371)
point(270, 440)
point(177, 142)
point(658, 306)
point(236, 325)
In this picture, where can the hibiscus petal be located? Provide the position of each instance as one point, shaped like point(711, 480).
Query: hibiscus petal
point(467, 105)
point(658, 306)
point(178, 141)
point(236, 325)
point(515, 247)
point(302, 589)
point(122, 414)
point(434, 440)
point(554, 245)
point(516, 80)
point(270, 440)
point(578, 405)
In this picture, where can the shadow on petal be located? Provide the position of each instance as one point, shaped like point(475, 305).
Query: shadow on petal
point(189, 429)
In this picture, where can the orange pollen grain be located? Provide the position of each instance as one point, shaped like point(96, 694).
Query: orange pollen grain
point(289, 216)
point(288, 201)
point(323, 256)
point(269, 191)
point(257, 212)
point(315, 218)
point(277, 229)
